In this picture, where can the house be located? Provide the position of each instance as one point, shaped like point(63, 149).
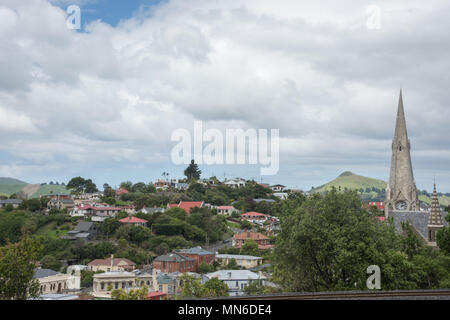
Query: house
point(236, 280)
point(130, 210)
point(181, 186)
point(84, 230)
point(378, 204)
point(102, 211)
point(51, 281)
point(235, 183)
point(259, 238)
point(111, 264)
point(152, 210)
point(254, 216)
point(281, 195)
point(199, 256)
point(60, 203)
point(121, 191)
point(243, 261)
point(105, 283)
point(264, 200)
point(226, 210)
point(168, 283)
point(14, 202)
point(278, 188)
point(134, 221)
point(156, 295)
point(173, 262)
point(186, 205)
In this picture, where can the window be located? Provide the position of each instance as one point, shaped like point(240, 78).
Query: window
point(102, 286)
point(116, 285)
point(160, 287)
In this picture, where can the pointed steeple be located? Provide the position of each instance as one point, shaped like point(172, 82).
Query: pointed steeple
point(401, 192)
point(400, 124)
point(435, 218)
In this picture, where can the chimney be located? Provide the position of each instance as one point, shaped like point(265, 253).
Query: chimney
point(112, 261)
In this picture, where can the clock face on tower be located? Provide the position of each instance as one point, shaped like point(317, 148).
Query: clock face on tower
point(401, 205)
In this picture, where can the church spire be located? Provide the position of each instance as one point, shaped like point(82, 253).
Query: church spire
point(400, 124)
point(401, 192)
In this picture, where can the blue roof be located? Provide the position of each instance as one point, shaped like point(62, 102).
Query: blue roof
point(196, 250)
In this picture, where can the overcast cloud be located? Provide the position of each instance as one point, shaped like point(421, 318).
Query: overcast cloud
point(103, 103)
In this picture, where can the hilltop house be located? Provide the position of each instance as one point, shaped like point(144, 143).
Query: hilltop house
point(152, 210)
point(235, 183)
point(254, 216)
point(60, 203)
point(186, 205)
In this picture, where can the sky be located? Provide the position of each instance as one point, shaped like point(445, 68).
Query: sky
point(102, 102)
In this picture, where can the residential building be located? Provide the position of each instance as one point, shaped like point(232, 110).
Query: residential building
point(235, 183)
point(236, 280)
point(111, 264)
point(254, 216)
point(84, 230)
point(14, 202)
point(152, 210)
point(51, 281)
point(199, 256)
point(281, 195)
point(60, 203)
point(121, 191)
point(134, 221)
point(262, 200)
point(156, 295)
point(226, 210)
point(278, 188)
point(262, 240)
point(378, 204)
point(105, 283)
point(173, 262)
point(243, 261)
point(186, 205)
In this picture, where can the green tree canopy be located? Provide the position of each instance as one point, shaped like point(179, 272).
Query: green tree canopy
point(192, 172)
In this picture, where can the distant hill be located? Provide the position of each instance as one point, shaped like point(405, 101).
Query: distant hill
point(48, 189)
point(370, 189)
point(9, 186)
point(352, 181)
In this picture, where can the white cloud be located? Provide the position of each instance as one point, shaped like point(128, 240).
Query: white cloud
point(115, 94)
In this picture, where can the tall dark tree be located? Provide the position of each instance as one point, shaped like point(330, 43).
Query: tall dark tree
point(192, 172)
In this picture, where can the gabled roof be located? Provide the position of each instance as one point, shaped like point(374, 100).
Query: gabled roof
point(172, 257)
point(196, 250)
point(43, 273)
point(225, 207)
point(107, 262)
point(253, 213)
point(83, 226)
point(188, 205)
point(132, 220)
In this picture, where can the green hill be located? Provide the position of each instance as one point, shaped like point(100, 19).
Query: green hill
point(48, 189)
point(9, 186)
point(353, 181)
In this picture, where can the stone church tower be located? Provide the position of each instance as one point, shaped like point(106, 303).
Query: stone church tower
point(435, 221)
point(401, 192)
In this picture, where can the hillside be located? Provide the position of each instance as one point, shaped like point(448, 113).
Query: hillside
point(352, 181)
point(9, 186)
point(50, 189)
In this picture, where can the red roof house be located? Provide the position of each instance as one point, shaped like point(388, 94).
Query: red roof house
point(156, 295)
point(121, 191)
point(134, 220)
point(254, 216)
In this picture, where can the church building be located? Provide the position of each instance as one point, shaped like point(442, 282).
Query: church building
point(402, 197)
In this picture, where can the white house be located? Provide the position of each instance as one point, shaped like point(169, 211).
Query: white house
point(236, 280)
point(281, 195)
point(278, 188)
point(226, 210)
point(235, 183)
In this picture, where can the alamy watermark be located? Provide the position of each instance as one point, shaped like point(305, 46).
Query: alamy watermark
point(252, 146)
point(373, 21)
point(374, 280)
point(73, 21)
